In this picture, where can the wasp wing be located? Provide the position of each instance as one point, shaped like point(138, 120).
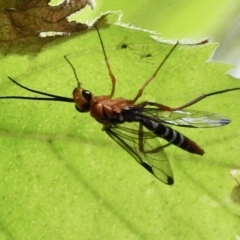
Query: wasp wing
point(144, 147)
point(186, 117)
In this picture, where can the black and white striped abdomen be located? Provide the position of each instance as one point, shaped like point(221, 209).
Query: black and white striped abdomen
point(171, 136)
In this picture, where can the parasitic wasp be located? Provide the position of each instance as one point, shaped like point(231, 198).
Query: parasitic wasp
point(136, 126)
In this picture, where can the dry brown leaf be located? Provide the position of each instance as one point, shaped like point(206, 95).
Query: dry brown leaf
point(22, 21)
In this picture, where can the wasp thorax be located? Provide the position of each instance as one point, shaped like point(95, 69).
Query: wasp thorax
point(82, 99)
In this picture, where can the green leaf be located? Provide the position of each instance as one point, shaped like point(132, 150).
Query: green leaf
point(177, 19)
point(63, 178)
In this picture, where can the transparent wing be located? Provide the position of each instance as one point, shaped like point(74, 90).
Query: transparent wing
point(187, 118)
point(144, 147)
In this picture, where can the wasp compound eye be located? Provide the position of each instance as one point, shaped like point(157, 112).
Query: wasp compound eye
point(87, 95)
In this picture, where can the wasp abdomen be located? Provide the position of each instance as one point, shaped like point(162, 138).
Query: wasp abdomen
point(172, 136)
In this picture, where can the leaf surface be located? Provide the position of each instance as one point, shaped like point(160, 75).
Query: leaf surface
point(62, 177)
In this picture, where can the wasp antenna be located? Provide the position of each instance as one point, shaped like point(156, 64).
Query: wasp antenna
point(113, 79)
point(51, 97)
point(74, 71)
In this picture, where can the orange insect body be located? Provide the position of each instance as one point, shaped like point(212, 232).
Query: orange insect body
point(101, 108)
point(104, 108)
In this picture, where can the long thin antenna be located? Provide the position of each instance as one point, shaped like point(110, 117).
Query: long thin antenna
point(52, 97)
point(74, 71)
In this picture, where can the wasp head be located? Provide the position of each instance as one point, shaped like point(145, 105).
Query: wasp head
point(82, 99)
